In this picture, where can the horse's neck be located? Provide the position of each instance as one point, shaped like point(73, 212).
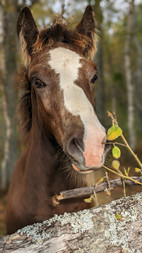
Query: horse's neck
point(40, 157)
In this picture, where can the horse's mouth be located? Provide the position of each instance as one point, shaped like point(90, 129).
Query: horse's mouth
point(82, 169)
point(85, 171)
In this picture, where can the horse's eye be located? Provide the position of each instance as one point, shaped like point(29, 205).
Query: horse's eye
point(94, 79)
point(38, 83)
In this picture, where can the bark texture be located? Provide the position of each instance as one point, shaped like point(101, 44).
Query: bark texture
point(116, 227)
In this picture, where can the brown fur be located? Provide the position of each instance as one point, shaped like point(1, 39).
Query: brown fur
point(44, 168)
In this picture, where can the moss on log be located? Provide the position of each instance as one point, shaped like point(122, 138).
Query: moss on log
point(112, 228)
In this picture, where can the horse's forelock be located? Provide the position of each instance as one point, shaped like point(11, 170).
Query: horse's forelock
point(61, 33)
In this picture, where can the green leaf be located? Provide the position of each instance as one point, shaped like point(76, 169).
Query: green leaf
point(89, 200)
point(100, 181)
point(118, 216)
point(116, 152)
point(137, 170)
point(114, 132)
point(116, 164)
point(107, 192)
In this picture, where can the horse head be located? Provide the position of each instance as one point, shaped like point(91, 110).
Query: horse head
point(62, 77)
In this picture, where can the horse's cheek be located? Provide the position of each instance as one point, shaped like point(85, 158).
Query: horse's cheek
point(45, 98)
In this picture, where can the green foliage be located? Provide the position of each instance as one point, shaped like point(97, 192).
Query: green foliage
point(117, 77)
point(116, 152)
point(137, 170)
point(115, 164)
point(114, 132)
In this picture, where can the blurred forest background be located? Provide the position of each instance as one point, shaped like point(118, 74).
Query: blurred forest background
point(118, 59)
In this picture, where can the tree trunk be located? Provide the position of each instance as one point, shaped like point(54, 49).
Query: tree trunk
point(112, 228)
point(128, 73)
point(138, 78)
point(112, 83)
point(3, 171)
point(9, 91)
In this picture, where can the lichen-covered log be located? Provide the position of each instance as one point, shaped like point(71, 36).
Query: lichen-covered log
point(113, 228)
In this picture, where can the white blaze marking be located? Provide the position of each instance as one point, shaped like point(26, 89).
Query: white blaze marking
point(67, 63)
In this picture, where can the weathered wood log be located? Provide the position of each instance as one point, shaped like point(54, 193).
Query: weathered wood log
point(112, 228)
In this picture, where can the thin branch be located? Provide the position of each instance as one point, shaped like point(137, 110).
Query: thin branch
point(115, 143)
point(124, 140)
point(131, 151)
point(122, 176)
point(85, 191)
point(108, 182)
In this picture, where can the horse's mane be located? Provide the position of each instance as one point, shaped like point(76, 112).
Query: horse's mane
point(24, 112)
point(58, 32)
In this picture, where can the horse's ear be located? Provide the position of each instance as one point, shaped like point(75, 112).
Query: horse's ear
point(87, 27)
point(27, 32)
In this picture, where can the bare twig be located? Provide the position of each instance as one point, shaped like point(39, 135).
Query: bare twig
point(96, 199)
point(108, 181)
point(131, 151)
point(86, 191)
point(122, 176)
point(117, 143)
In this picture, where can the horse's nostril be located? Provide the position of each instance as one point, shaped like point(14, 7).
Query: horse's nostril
point(79, 144)
point(75, 150)
point(74, 146)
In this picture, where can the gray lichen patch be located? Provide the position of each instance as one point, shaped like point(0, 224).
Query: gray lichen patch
point(37, 232)
point(120, 232)
point(78, 222)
